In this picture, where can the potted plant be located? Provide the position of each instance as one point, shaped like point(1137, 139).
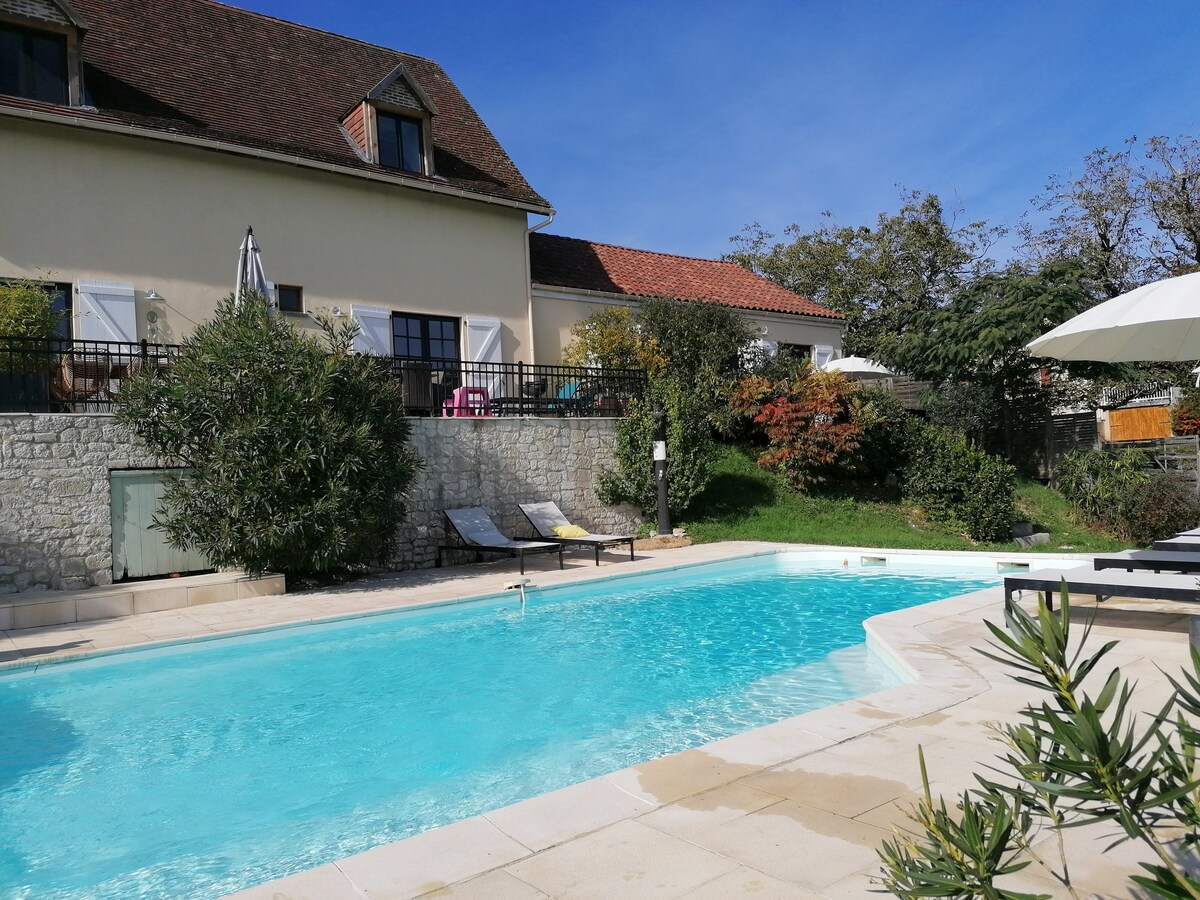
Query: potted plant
point(28, 325)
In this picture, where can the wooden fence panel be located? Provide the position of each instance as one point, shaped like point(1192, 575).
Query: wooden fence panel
point(1141, 423)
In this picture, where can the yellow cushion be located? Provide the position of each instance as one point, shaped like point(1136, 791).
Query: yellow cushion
point(569, 531)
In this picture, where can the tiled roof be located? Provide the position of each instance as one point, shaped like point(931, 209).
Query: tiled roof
point(588, 266)
point(208, 70)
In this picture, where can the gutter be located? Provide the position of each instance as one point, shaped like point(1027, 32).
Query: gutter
point(529, 283)
point(151, 134)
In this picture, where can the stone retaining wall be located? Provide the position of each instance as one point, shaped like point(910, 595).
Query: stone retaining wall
point(56, 531)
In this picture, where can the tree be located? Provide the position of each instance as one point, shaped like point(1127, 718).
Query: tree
point(808, 418)
point(1097, 221)
point(909, 262)
point(979, 337)
point(298, 453)
point(1171, 184)
point(688, 342)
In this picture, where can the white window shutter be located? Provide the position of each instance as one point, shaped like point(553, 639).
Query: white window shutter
point(482, 337)
point(822, 354)
point(374, 330)
point(105, 311)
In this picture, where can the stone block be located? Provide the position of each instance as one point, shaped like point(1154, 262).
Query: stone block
point(1034, 540)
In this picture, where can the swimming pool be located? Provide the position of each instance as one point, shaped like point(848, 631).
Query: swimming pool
point(203, 768)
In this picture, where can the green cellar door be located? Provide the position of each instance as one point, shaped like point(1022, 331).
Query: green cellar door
point(139, 549)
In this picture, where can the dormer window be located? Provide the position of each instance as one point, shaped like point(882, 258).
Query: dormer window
point(392, 126)
point(401, 142)
point(33, 64)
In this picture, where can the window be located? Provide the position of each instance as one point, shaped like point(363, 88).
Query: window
point(796, 351)
point(400, 142)
point(291, 298)
point(33, 64)
point(425, 337)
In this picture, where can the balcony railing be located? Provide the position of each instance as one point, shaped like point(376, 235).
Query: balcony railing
point(61, 375)
point(456, 388)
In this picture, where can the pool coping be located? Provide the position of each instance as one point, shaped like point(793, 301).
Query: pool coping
point(470, 848)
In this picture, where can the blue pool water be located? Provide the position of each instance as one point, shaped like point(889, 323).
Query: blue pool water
point(200, 769)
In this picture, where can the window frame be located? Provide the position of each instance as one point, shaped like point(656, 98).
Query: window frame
point(425, 320)
point(421, 119)
point(70, 43)
point(299, 289)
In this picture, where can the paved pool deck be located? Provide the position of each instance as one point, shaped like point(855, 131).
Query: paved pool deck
point(792, 810)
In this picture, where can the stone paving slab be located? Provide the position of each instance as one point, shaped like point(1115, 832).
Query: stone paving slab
point(793, 810)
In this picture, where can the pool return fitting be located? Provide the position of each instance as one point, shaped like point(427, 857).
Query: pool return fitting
point(518, 586)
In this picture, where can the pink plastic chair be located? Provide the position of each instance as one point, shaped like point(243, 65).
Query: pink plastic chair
point(467, 401)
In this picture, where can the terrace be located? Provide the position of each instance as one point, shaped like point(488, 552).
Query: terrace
point(74, 376)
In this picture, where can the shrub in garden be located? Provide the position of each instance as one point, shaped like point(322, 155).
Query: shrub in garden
point(1074, 757)
point(298, 450)
point(26, 311)
point(1185, 415)
point(690, 451)
point(958, 483)
point(808, 421)
point(1165, 505)
point(1104, 486)
point(882, 453)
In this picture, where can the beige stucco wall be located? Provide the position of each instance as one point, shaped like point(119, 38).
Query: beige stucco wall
point(78, 204)
point(554, 316)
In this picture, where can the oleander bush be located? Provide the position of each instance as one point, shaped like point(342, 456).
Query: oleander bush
point(297, 448)
point(1076, 756)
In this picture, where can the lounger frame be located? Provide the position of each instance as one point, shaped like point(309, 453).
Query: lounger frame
point(479, 549)
point(596, 542)
point(1084, 581)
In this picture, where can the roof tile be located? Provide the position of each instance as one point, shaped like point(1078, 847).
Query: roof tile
point(589, 266)
point(209, 70)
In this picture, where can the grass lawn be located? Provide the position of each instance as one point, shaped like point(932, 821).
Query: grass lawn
point(744, 502)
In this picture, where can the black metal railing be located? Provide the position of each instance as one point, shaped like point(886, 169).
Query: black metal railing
point(457, 388)
point(63, 375)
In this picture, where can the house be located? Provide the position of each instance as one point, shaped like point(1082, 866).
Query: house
point(573, 278)
point(139, 139)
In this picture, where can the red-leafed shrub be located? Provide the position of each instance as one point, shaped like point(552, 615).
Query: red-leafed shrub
point(1185, 415)
point(808, 422)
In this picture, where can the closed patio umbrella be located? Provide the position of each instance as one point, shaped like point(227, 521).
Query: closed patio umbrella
point(858, 367)
point(250, 274)
point(1158, 322)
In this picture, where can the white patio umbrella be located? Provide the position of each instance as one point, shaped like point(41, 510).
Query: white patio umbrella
point(858, 367)
point(1158, 322)
point(250, 274)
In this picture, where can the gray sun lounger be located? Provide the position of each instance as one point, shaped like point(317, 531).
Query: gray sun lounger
point(1181, 543)
point(1102, 585)
point(1150, 561)
point(544, 517)
point(479, 534)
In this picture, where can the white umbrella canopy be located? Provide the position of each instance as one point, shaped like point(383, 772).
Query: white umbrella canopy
point(1158, 322)
point(858, 367)
point(250, 274)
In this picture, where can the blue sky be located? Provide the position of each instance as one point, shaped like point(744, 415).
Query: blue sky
point(669, 126)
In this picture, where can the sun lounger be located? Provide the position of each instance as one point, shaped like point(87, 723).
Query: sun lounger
point(1181, 543)
point(545, 517)
point(1150, 560)
point(479, 534)
point(1102, 585)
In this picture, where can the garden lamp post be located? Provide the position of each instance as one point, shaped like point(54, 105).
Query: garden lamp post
point(660, 469)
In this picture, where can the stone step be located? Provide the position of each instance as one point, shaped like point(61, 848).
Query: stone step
point(34, 609)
